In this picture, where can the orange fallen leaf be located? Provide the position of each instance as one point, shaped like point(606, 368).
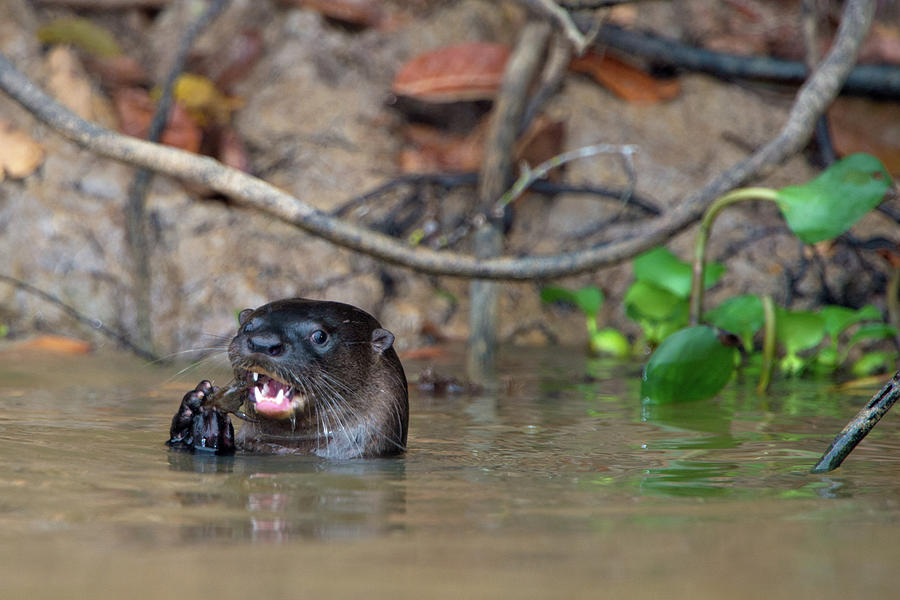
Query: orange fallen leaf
point(864, 125)
point(543, 140)
point(135, 111)
point(625, 81)
point(20, 155)
point(470, 71)
point(892, 256)
point(430, 150)
point(55, 344)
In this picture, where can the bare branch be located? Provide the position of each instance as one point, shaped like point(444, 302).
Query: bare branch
point(95, 324)
point(563, 19)
point(530, 175)
point(249, 191)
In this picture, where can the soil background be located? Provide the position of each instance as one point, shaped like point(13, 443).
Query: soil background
point(319, 120)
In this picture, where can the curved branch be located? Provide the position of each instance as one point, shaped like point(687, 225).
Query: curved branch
point(247, 190)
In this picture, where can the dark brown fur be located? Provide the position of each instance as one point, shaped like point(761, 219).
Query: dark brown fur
point(355, 391)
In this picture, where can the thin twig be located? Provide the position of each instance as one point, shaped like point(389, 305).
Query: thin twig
point(94, 324)
point(530, 175)
point(453, 180)
point(244, 189)
point(522, 69)
point(810, 28)
point(563, 19)
point(555, 69)
point(135, 207)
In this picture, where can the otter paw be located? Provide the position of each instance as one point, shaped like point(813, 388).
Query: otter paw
point(201, 428)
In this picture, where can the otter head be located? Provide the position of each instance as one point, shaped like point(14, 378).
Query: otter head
point(300, 356)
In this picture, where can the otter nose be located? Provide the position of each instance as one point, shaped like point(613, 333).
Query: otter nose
point(265, 343)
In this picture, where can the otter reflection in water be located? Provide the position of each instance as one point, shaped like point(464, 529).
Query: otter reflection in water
point(312, 377)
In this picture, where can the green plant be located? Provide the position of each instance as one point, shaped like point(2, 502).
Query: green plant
point(819, 210)
point(658, 299)
point(589, 300)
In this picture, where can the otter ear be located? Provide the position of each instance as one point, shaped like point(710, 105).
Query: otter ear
point(242, 316)
point(382, 339)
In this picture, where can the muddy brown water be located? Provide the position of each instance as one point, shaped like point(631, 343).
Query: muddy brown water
point(558, 485)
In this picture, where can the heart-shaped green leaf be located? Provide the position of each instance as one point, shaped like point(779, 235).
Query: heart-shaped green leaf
point(741, 315)
point(799, 330)
point(839, 318)
point(872, 331)
point(830, 204)
point(646, 301)
point(690, 364)
point(663, 269)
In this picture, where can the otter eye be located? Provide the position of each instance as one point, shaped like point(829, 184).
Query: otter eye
point(318, 337)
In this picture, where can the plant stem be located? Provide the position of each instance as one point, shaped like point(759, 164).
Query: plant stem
point(709, 217)
point(893, 303)
point(768, 345)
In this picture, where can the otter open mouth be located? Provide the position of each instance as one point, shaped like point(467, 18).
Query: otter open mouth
point(272, 397)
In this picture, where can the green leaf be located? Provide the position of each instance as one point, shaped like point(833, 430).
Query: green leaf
point(552, 293)
point(799, 330)
point(646, 301)
point(873, 331)
point(690, 364)
point(589, 299)
point(874, 362)
point(741, 315)
point(830, 204)
point(839, 318)
point(663, 269)
point(610, 341)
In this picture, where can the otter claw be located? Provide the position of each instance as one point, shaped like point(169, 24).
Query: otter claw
point(200, 427)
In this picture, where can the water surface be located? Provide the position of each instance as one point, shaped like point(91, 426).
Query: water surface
point(557, 485)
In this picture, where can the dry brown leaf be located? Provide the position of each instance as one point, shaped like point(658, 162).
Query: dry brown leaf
point(470, 71)
point(135, 110)
point(625, 81)
point(882, 44)
point(543, 140)
point(20, 155)
point(431, 150)
point(863, 125)
point(68, 82)
point(231, 150)
point(55, 344)
point(117, 71)
point(236, 61)
point(355, 12)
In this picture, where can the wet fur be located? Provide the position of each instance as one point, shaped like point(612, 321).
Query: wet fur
point(356, 391)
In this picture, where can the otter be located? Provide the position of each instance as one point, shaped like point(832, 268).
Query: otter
point(314, 377)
